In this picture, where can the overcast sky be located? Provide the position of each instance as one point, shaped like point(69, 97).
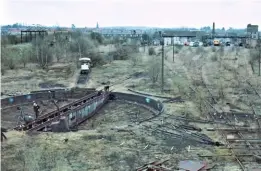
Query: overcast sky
point(159, 13)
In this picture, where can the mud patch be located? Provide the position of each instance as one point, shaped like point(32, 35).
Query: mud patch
point(139, 75)
point(50, 84)
point(20, 78)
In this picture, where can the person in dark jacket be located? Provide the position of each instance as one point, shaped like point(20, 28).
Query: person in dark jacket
point(36, 109)
point(106, 88)
point(2, 134)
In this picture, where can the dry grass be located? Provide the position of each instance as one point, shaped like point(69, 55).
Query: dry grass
point(100, 148)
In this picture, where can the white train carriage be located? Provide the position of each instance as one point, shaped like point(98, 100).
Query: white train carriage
point(85, 65)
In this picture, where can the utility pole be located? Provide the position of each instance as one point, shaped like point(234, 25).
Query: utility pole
point(259, 50)
point(144, 46)
point(173, 48)
point(162, 67)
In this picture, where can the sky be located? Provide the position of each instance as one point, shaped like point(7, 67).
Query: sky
point(152, 13)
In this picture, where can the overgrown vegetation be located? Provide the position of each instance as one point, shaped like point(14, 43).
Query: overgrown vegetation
point(154, 69)
point(63, 47)
point(124, 52)
point(255, 57)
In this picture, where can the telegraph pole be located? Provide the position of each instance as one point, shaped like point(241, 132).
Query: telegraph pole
point(162, 66)
point(259, 50)
point(173, 48)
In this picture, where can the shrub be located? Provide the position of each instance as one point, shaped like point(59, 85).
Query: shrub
point(154, 69)
point(24, 54)
point(8, 58)
point(97, 36)
point(96, 58)
point(123, 52)
point(152, 51)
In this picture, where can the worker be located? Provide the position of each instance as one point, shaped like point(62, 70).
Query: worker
point(36, 109)
point(52, 94)
point(99, 92)
point(106, 88)
point(2, 134)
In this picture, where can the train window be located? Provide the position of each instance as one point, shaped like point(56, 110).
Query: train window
point(73, 116)
point(86, 111)
point(79, 113)
point(89, 110)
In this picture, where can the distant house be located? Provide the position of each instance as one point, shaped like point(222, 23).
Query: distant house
point(171, 37)
point(252, 31)
point(122, 33)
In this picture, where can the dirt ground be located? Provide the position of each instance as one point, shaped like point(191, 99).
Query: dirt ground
point(112, 140)
point(109, 141)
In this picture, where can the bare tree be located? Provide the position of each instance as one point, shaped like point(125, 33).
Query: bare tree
point(254, 57)
point(24, 54)
point(154, 69)
point(8, 57)
point(43, 52)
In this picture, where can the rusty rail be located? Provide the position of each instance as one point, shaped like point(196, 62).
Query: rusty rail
point(213, 119)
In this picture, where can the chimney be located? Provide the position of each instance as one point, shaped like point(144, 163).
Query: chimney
point(213, 30)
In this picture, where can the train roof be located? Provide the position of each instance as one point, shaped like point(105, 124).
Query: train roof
point(84, 59)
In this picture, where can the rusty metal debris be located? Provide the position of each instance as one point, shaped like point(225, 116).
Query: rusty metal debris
point(233, 129)
point(241, 155)
point(179, 133)
point(198, 120)
point(154, 166)
point(162, 97)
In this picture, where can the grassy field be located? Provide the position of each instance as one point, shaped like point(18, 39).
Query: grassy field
point(98, 146)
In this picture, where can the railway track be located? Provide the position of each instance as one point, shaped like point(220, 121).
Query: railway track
point(232, 136)
point(83, 78)
point(214, 115)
